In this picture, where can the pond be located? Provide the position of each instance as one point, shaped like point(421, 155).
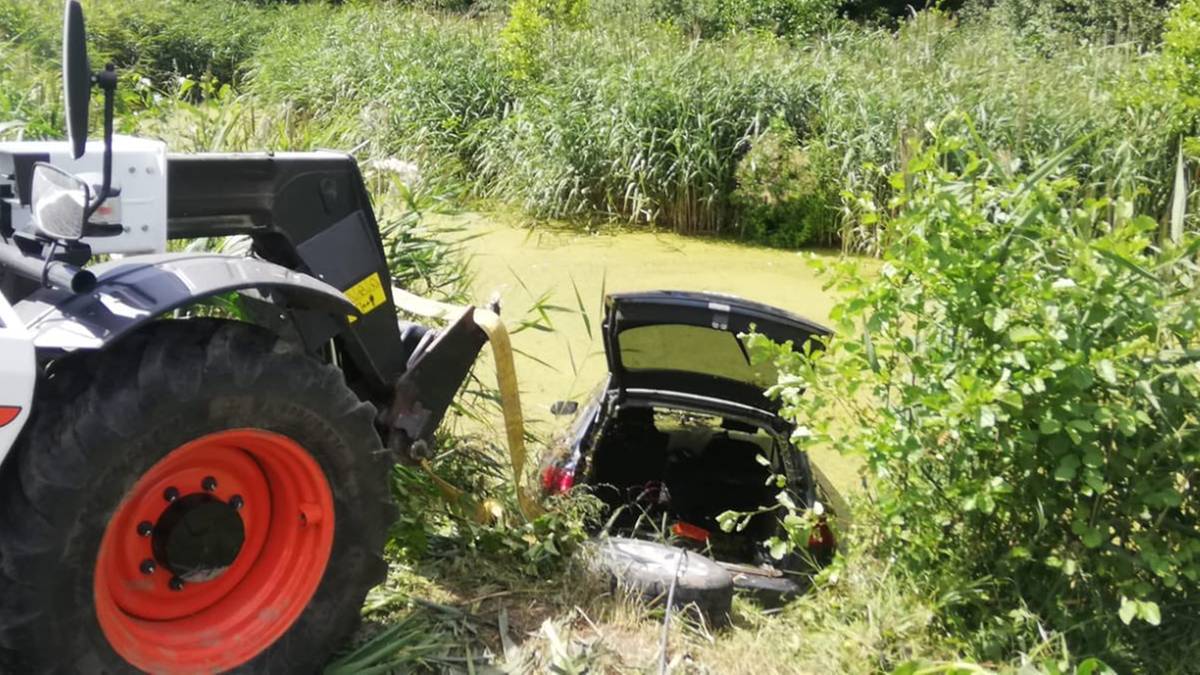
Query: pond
point(522, 264)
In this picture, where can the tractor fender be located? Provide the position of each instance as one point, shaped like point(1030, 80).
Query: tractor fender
point(131, 292)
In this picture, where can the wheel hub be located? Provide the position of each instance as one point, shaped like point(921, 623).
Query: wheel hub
point(198, 537)
point(214, 552)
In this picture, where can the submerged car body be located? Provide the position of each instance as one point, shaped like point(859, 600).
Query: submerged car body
point(681, 431)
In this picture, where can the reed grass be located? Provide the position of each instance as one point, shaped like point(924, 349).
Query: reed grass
point(629, 118)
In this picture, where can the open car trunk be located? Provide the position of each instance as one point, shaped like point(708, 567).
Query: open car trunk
point(688, 343)
point(667, 473)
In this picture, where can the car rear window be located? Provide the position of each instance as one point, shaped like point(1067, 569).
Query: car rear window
point(692, 349)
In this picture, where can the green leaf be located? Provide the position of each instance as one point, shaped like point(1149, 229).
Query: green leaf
point(1022, 334)
point(1082, 425)
point(1127, 424)
point(1127, 264)
point(1076, 437)
point(1149, 612)
point(778, 549)
point(583, 313)
point(785, 501)
point(1049, 426)
point(1093, 538)
point(872, 360)
point(1106, 371)
point(1093, 458)
point(987, 417)
point(1129, 609)
point(999, 320)
point(1012, 399)
point(1050, 165)
point(1067, 468)
point(727, 521)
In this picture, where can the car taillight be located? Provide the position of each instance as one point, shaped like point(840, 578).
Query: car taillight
point(557, 480)
point(690, 531)
point(821, 540)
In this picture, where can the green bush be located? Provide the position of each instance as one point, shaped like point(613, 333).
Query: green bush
point(1022, 380)
point(879, 91)
point(1104, 21)
point(629, 121)
point(170, 37)
point(709, 18)
point(159, 39)
point(886, 12)
point(779, 199)
point(36, 25)
point(468, 6)
point(1179, 69)
point(530, 25)
point(30, 95)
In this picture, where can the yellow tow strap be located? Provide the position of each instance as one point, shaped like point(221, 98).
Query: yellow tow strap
point(506, 380)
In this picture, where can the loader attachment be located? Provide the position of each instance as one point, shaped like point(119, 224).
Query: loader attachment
point(426, 390)
point(423, 389)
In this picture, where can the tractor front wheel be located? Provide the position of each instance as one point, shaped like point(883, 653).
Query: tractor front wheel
point(202, 497)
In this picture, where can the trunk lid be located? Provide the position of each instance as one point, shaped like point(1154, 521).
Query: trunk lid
point(682, 341)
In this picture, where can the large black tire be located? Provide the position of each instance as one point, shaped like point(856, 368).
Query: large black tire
point(103, 419)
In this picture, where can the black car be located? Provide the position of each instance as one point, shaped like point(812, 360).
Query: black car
point(680, 431)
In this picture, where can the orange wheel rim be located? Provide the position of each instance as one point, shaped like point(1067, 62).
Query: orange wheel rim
point(214, 553)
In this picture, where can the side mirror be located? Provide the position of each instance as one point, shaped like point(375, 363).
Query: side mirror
point(564, 407)
point(60, 203)
point(77, 77)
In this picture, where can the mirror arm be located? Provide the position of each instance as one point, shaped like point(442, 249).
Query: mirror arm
point(45, 270)
point(106, 80)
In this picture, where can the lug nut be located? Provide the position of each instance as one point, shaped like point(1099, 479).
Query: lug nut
point(209, 483)
point(145, 528)
point(147, 566)
point(236, 501)
point(175, 584)
point(171, 494)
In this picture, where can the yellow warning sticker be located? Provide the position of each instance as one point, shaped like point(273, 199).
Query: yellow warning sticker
point(367, 294)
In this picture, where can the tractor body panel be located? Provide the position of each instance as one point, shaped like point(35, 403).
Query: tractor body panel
point(18, 372)
point(139, 174)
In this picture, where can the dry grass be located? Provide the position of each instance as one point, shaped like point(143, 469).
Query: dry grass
point(860, 618)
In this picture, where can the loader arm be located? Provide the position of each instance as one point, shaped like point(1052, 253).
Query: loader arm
point(311, 213)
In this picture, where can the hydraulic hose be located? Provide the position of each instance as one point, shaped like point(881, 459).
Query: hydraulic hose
point(506, 380)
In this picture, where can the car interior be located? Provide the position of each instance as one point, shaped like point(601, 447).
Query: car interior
point(654, 468)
